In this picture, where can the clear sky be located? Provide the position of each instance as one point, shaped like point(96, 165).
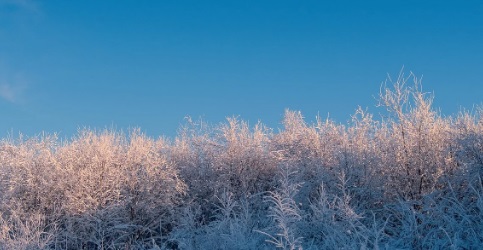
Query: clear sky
point(149, 64)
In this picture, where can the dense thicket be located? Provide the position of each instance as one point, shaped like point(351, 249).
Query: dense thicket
point(410, 180)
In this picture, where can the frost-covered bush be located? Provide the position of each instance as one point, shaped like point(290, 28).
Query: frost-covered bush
point(100, 190)
point(410, 180)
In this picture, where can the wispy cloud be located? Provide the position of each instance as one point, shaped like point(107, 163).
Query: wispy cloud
point(20, 12)
point(11, 93)
point(7, 93)
point(12, 85)
point(28, 5)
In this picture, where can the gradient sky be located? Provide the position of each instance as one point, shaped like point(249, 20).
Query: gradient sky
point(149, 64)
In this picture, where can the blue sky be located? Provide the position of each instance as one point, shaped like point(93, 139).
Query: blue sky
point(149, 64)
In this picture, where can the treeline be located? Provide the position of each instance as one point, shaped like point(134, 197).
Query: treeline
point(409, 180)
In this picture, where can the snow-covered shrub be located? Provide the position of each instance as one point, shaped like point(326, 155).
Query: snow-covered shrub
point(284, 212)
point(100, 189)
point(410, 180)
point(417, 142)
